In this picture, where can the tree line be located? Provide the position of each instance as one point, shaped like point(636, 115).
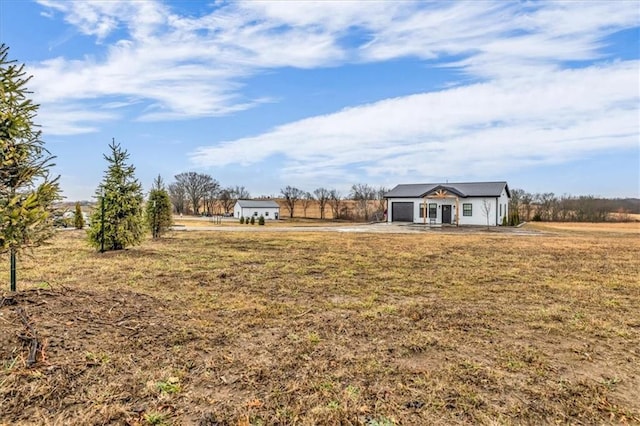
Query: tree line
point(199, 193)
point(196, 193)
point(368, 201)
point(548, 207)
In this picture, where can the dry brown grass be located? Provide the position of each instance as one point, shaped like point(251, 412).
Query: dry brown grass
point(614, 227)
point(309, 328)
point(202, 222)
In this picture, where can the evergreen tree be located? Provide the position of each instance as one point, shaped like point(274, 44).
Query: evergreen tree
point(117, 222)
point(27, 191)
point(253, 220)
point(159, 218)
point(78, 219)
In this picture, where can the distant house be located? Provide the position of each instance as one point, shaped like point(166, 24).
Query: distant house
point(269, 209)
point(470, 203)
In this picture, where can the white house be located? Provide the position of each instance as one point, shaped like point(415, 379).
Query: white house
point(470, 203)
point(269, 209)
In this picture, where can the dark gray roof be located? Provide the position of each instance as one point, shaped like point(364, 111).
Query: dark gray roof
point(463, 189)
point(258, 203)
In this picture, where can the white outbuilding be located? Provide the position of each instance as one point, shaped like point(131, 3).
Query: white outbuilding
point(269, 209)
point(469, 203)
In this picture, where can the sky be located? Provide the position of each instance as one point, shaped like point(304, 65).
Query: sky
point(265, 94)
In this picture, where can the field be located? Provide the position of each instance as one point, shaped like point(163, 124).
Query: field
point(215, 328)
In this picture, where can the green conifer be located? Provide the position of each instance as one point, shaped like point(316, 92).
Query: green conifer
point(27, 191)
point(78, 219)
point(117, 222)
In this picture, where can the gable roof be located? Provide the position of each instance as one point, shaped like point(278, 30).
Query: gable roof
point(462, 189)
point(258, 203)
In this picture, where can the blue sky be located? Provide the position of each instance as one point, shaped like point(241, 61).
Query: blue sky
point(265, 94)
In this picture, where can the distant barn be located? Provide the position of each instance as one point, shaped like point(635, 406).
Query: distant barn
point(269, 209)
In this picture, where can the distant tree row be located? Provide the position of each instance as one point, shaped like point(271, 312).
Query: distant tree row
point(369, 201)
point(567, 208)
point(192, 191)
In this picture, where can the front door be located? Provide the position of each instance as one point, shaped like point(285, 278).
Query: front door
point(446, 213)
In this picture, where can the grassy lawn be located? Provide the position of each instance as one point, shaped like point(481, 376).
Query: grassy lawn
point(310, 328)
point(195, 221)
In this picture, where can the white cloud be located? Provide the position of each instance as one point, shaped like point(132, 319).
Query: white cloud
point(197, 66)
point(484, 128)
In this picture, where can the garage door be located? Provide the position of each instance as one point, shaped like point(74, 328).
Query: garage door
point(402, 212)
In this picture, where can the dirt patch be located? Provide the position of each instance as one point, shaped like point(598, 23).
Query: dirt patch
point(317, 328)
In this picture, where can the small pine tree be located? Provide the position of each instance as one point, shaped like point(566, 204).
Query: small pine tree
point(246, 220)
point(78, 219)
point(515, 219)
point(261, 220)
point(253, 220)
point(158, 211)
point(241, 220)
point(27, 189)
point(118, 221)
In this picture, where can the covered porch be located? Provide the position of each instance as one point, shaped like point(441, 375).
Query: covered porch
point(440, 206)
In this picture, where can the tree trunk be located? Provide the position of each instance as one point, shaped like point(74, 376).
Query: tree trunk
point(13, 269)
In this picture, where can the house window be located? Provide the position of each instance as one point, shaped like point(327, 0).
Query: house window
point(433, 212)
point(266, 213)
point(422, 210)
point(467, 209)
point(255, 214)
point(500, 210)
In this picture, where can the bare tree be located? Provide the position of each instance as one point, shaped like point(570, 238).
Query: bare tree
point(240, 193)
point(486, 210)
point(196, 187)
point(363, 194)
point(306, 200)
point(322, 195)
point(226, 198)
point(548, 204)
point(291, 196)
point(212, 192)
point(381, 191)
point(178, 197)
point(526, 200)
point(335, 200)
point(515, 206)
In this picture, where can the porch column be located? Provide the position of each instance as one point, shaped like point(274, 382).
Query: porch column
point(424, 211)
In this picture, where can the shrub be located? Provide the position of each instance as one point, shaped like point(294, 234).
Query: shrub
point(246, 220)
point(515, 219)
point(241, 220)
point(253, 220)
point(504, 221)
point(537, 217)
point(78, 219)
point(261, 220)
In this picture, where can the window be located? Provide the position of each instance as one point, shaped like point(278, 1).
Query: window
point(255, 214)
point(421, 210)
point(500, 210)
point(266, 213)
point(433, 212)
point(467, 209)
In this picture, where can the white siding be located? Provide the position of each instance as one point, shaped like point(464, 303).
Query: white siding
point(399, 200)
point(477, 217)
point(504, 200)
point(269, 213)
